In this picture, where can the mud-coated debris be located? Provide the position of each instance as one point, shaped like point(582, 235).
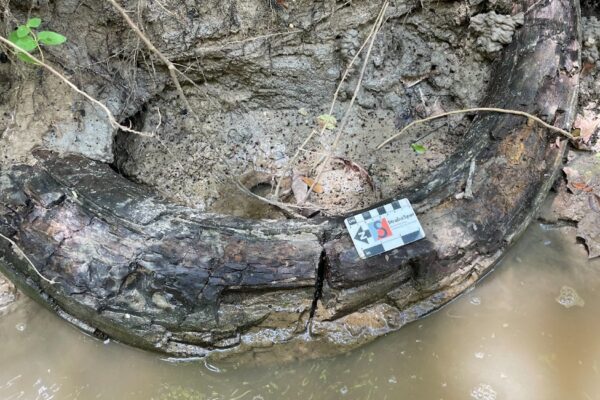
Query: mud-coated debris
point(588, 229)
point(578, 199)
point(495, 30)
point(586, 125)
point(568, 298)
point(270, 114)
point(345, 184)
point(591, 40)
point(299, 188)
point(349, 44)
point(8, 293)
point(351, 166)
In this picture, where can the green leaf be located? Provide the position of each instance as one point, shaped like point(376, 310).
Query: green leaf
point(24, 57)
point(418, 148)
point(34, 22)
point(327, 121)
point(27, 43)
point(51, 38)
point(13, 37)
point(22, 31)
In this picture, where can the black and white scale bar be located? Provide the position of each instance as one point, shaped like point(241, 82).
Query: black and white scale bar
point(384, 228)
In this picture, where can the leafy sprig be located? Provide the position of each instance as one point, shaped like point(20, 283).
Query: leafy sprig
point(29, 39)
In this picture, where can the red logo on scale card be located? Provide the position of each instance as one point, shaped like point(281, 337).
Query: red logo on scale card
point(380, 229)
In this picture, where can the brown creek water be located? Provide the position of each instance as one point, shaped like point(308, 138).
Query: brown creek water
point(508, 338)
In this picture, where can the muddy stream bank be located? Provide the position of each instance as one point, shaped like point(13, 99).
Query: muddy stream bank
point(144, 265)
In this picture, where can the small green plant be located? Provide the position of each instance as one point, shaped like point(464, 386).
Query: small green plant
point(418, 148)
point(28, 39)
point(327, 121)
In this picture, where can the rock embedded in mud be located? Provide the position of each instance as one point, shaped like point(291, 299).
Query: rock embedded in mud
point(588, 229)
point(8, 293)
point(578, 199)
point(495, 30)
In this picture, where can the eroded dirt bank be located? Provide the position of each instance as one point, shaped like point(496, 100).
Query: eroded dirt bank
point(262, 75)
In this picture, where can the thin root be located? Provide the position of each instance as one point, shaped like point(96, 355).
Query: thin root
point(472, 110)
point(16, 247)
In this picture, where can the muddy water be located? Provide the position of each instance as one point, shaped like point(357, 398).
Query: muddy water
point(528, 331)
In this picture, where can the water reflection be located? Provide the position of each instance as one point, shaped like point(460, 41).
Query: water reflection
point(509, 338)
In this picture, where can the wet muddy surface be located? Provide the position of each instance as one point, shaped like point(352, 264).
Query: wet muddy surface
point(528, 331)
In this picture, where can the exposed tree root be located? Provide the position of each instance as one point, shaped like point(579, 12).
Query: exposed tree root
point(472, 110)
point(21, 253)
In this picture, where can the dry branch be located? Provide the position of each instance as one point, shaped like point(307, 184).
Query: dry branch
point(472, 110)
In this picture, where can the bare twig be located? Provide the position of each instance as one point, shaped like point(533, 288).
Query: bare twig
point(534, 5)
point(472, 110)
point(21, 253)
point(469, 186)
point(286, 208)
point(170, 66)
